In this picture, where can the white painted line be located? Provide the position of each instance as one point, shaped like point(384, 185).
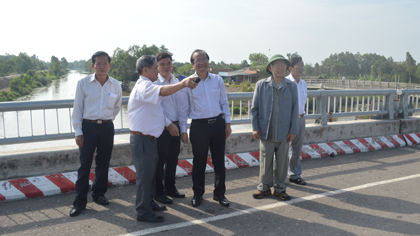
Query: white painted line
point(45, 185)
point(265, 207)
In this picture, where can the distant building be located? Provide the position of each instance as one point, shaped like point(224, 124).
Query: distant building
point(240, 76)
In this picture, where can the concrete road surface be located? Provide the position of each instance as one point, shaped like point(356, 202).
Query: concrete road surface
point(375, 193)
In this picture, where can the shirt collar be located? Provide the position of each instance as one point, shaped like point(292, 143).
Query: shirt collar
point(162, 79)
point(294, 80)
point(93, 78)
point(143, 78)
point(208, 75)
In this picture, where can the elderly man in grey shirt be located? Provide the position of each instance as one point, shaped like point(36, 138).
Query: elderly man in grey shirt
point(274, 122)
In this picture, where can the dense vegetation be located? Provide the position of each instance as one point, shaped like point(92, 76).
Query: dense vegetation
point(24, 84)
point(369, 66)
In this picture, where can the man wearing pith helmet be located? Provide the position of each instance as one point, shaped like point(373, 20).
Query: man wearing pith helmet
point(274, 123)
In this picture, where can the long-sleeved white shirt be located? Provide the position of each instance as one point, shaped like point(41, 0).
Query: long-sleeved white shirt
point(207, 100)
point(169, 103)
point(144, 110)
point(95, 102)
point(302, 93)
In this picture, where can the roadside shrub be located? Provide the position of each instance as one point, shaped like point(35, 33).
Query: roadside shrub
point(236, 110)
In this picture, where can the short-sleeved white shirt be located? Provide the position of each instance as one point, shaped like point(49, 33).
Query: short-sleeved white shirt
point(144, 110)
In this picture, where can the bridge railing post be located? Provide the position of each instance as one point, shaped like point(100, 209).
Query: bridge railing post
point(391, 105)
point(405, 103)
point(322, 104)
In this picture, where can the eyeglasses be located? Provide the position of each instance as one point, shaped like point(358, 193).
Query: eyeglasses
point(201, 61)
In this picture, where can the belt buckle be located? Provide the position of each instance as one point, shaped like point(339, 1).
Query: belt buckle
point(99, 121)
point(211, 121)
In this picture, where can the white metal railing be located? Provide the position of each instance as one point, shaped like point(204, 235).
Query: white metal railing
point(33, 121)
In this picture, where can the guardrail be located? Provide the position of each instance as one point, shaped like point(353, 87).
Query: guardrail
point(356, 84)
point(34, 121)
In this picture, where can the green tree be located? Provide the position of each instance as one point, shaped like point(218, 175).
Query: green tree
point(410, 68)
point(290, 55)
point(55, 66)
point(123, 68)
point(64, 63)
point(244, 63)
point(258, 59)
point(186, 70)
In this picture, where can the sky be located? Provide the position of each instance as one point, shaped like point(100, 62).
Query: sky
point(229, 30)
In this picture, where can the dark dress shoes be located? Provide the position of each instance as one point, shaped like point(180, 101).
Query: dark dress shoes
point(222, 200)
point(196, 201)
point(76, 210)
point(157, 207)
point(101, 200)
point(163, 199)
point(175, 194)
point(152, 219)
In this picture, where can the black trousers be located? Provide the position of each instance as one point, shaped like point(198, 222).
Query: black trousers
point(204, 136)
point(99, 137)
point(168, 147)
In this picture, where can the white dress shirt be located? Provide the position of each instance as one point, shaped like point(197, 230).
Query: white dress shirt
point(207, 100)
point(302, 93)
point(144, 110)
point(169, 103)
point(95, 102)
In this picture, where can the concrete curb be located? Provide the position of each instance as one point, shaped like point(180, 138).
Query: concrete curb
point(40, 186)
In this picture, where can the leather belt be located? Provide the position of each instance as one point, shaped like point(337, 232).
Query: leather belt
point(97, 121)
point(140, 133)
point(300, 116)
point(210, 120)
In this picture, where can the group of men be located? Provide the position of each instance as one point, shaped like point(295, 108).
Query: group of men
point(158, 109)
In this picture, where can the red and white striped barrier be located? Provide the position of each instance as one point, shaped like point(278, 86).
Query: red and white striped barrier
point(412, 139)
point(62, 183)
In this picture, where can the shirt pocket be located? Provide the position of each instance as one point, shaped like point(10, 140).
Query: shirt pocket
point(110, 103)
point(215, 93)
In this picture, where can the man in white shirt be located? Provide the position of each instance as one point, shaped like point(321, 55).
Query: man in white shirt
point(96, 104)
point(169, 142)
point(295, 168)
point(208, 108)
point(146, 121)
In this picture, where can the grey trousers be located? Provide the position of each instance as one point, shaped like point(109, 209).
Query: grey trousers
point(145, 159)
point(295, 167)
point(267, 151)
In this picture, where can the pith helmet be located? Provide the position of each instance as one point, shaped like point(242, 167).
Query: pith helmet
point(275, 58)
